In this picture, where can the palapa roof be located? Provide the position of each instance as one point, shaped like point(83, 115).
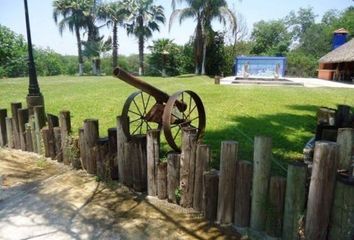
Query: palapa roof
point(344, 53)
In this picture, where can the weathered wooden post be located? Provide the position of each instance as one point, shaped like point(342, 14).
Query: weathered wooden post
point(3, 133)
point(139, 163)
point(58, 145)
point(217, 79)
point(128, 155)
point(82, 147)
point(39, 118)
point(227, 179)
point(91, 137)
point(28, 134)
point(153, 158)
point(112, 150)
point(102, 161)
point(75, 153)
point(295, 198)
point(53, 121)
point(343, 116)
point(210, 194)
point(188, 154)
point(342, 215)
point(345, 145)
point(162, 180)
point(321, 190)
point(14, 107)
point(45, 138)
point(121, 140)
point(275, 211)
point(9, 132)
point(244, 172)
point(65, 126)
point(262, 160)
point(32, 123)
point(173, 166)
point(22, 120)
point(203, 157)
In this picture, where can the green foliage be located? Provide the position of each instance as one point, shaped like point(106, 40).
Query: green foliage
point(215, 58)
point(270, 38)
point(13, 53)
point(165, 54)
point(300, 21)
point(48, 62)
point(232, 51)
point(301, 64)
point(187, 58)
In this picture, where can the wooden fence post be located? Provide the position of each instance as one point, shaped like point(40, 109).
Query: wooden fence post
point(45, 138)
point(188, 154)
point(74, 156)
point(162, 180)
point(153, 158)
point(53, 121)
point(227, 179)
point(262, 160)
point(65, 126)
point(128, 154)
point(321, 190)
point(343, 116)
point(210, 194)
point(121, 140)
point(295, 198)
point(102, 161)
point(32, 123)
point(203, 157)
point(173, 166)
point(9, 133)
point(244, 172)
point(275, 211)
point(14, 107)
point(139, 163)
point(342, 216)
point(3, 133)
point(112, 150)
point(345, 145)
point(82, 147)
point(22, 120)
point(39, 118)
point(91, 137)
point(28, 134)
point(57, 140)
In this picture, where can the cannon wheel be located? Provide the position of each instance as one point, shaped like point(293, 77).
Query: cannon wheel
point(134, 112)
point(174, 119)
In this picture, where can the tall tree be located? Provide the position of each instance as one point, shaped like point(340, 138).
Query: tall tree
point(300, 22)
point(72, 14)
point(115, 14)
point(143, 20)
point(203, 12)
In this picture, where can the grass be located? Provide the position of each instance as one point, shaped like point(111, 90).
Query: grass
point(233, 112)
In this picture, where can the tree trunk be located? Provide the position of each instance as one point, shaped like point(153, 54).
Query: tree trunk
point(141, 55)
point(115, 46)
point(204, 54)
point(81, 61)
point(198, 47)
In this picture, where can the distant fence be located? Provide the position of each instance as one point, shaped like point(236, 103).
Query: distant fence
point(242, 194)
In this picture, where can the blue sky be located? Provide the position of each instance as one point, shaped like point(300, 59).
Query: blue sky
point(45, 33)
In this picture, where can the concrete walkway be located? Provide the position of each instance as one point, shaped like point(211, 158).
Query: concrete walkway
point(306, 82)
point(46, 200)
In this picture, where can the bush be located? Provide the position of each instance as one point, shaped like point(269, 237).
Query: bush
point(301, 65)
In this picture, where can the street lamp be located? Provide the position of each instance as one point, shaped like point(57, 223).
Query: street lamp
point(164, 60)
point(34, 97)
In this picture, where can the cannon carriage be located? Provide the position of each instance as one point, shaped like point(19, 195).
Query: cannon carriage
point(151, 108)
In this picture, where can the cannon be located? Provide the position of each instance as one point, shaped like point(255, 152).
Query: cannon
point(151, 108)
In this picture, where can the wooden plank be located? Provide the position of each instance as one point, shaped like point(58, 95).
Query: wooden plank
point(112, 152)
point(153, 157)
point(57, 140)
point(91, 136)
point(45, 133)
point(14, 107)
point(65, 126)
point(28, 134)
point(210, 194)
point(203, 157)
point(22, 120)
point(121, 140)
point(345, 144)
point(102, 161)
point(162, 180)
point(173, 166)
point(53, 121)
point(9, 132)
point(139, 163)
point(40, 120)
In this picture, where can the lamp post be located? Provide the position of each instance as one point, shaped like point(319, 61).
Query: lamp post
point(34, 96)
point(164, 60)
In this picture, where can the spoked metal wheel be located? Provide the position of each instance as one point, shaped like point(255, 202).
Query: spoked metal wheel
point(136, 114)
point(177, 116)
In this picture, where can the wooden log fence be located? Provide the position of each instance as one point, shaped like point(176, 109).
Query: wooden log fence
point(242, 194)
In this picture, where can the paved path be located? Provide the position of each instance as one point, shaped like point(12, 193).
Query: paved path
point(46, 200)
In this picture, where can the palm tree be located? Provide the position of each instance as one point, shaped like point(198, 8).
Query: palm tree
point(94, 50)
point(203, 12)
point(114, 13)
point(143, 20)
point(73, 15)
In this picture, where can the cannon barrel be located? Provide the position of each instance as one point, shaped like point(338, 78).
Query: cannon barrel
point(159, 95)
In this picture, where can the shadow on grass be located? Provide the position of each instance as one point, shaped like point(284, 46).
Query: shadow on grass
point(289, 131)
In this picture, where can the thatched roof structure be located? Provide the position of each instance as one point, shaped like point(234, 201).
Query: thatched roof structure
point(344, 53)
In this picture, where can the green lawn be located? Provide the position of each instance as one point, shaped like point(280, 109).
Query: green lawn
point(233, 112)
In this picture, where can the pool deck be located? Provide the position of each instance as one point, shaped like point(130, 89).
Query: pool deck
point(287, 81)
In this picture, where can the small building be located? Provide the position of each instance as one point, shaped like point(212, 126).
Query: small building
point(260, 66)
point(338, 64)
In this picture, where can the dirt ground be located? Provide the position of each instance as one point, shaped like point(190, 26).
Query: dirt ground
point(43, 199)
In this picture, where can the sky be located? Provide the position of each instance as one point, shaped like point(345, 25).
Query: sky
point(45, 32)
